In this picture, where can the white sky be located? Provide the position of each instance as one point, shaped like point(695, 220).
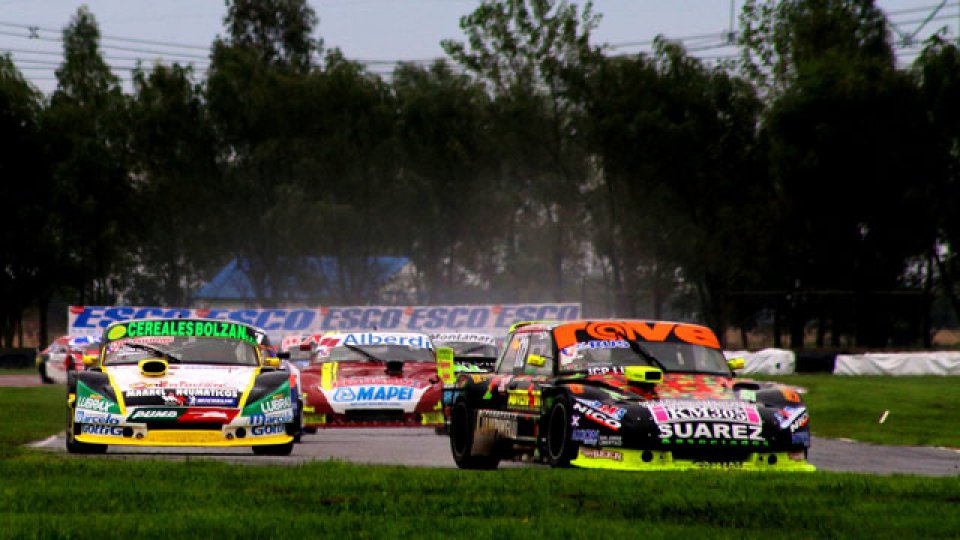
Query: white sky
point(378, 29)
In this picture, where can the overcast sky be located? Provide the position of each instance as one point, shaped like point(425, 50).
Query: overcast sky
point(377, 30)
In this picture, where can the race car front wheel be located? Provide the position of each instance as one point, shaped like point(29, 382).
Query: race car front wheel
point(461, 440)
point(560, 448)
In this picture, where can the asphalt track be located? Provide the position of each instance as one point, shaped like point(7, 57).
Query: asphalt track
point(424, 448)
point(418, 447)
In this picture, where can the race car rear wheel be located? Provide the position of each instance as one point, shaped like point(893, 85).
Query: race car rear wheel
point(461, 440)
point(274, 449)
point(298, 422)
point(560, 448)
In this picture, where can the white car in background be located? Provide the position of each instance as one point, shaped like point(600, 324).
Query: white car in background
point(63, 355)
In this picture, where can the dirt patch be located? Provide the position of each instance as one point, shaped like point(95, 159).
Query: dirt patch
point(20, 380)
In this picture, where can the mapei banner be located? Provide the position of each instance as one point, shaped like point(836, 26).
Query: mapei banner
point(491, 319)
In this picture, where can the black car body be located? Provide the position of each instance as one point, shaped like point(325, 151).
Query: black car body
point(628, 395)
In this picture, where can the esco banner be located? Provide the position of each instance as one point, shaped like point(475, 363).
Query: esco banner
point(279, 322)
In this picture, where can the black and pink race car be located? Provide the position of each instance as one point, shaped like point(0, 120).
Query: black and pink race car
point(626, 395)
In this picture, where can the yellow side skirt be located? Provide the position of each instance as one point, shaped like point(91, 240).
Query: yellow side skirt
point(621, 459)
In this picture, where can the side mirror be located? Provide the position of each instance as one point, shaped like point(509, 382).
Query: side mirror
point(445, 365)
point(736, 363)
point(536, 360)
point(285, 355)
point(90, 360)
point(271, 361)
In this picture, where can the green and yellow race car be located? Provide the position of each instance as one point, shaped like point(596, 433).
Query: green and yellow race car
point(181, 382)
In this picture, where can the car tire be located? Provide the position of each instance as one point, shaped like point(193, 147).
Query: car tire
point(43, 374)
point(274, 449)
point(559, 448)
point(462, 424)
point(298, 423)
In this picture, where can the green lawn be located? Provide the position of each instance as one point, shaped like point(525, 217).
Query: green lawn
point(923, 409)
point(46, 495)
point(20, 371)
point(50, 496)
point(30, 414)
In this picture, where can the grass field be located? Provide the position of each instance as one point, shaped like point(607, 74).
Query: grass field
point(20, 371)
point(59, 496)
point(30, 414)
point(923, 409)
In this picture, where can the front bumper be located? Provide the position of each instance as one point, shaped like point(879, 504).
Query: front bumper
point(225, 436)
point(623, 459)
point(330, 420)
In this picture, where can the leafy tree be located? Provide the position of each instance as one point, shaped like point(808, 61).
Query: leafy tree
point(526, 51)
point(843, 136)
point(678, 150)
point(356, 176)
point(444, 140)
point(305, 153)
point(278, 32)
point(937, 71)
point(779, 38)
point(28, 247)
point(84, 126)
point(178, 190)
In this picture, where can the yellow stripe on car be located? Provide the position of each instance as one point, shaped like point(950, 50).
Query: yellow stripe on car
point(622, 459)
point(328, 374)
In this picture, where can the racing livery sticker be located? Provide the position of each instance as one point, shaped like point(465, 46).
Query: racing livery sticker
point(600, 414)
point(184, 385)
point(182, 328)
point(277, 401)
point(81, 416)
point(374, 394)
point(567, 335)
point(154, 414)
point(524, 399)
point(93, 401)
point(464, 337)
point(596, 453)
point(361, 393)
point(416, 341)
point(499, 422)
point(683, 420)
point(101, 430)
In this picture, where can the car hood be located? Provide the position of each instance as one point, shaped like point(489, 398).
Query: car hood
point(184, 385)
point(674, 385)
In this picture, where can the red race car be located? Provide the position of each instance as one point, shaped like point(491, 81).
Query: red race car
point(63, 355)
point(366, 379)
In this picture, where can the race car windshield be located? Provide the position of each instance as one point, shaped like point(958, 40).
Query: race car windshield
point(379, 353)
point(471, 348)
point(669, 356)
point(183, 350)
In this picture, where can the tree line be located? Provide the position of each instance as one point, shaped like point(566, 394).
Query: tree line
point(810, 186)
